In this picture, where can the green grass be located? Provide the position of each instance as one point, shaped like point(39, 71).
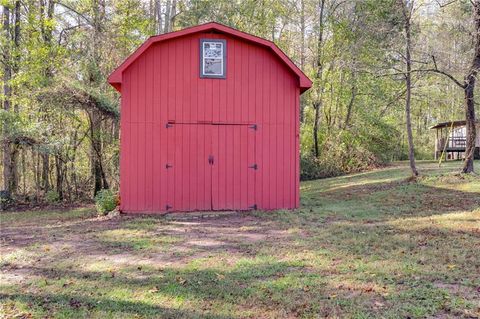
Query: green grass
point(369, 245)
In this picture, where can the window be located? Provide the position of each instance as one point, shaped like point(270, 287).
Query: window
point(212, 58)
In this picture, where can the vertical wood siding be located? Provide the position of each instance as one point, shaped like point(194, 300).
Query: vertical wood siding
point(208, 116)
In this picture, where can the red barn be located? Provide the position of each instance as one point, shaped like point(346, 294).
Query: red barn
point(209, 121)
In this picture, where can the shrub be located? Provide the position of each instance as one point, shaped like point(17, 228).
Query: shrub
point(313, 168)
point(5, 199)
point(105, 201)
point(52, 196)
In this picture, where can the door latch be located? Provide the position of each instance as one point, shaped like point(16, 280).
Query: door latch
point(210, 159)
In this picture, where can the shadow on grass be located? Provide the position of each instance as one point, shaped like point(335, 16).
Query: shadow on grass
point(80, 306)
point(387, 201)
point(293, 286)
point(250, 283)
point(394, 236)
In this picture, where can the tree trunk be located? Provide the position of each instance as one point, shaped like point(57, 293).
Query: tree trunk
point(24, 173)
point(470, 126)
point(173, 15)
point(46, 12)
point(95, 115)
point(45, 172)
point(16, 44)
point(316, 150)
point(469, 94)
point(167, 16)
point(36, 173)
point(59, 173)
point(99, 177)
point(7, 93)
point(158, 15)
point(408, 83)
point(351, 102)
point(318, 76)
point(14, 148)
point(302, 55)
point(302, 34)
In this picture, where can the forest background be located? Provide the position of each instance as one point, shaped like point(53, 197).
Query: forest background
point(381, 69)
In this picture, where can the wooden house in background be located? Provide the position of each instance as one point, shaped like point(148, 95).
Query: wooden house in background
point(451, 139)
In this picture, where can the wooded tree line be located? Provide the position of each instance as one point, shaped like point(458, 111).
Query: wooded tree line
point(383, 70)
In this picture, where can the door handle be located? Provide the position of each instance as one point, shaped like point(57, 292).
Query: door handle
point(210, 159)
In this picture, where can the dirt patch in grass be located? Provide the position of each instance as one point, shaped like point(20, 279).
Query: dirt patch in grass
point(177, 238)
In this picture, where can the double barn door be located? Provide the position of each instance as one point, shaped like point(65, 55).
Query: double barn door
point(210, 167)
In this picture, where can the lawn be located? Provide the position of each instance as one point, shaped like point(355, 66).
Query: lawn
point(369, 245)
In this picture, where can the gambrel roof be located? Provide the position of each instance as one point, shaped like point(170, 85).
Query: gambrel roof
point(115, 79)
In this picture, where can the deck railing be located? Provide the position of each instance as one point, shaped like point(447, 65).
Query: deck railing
point(452, 142)
point(457, 142)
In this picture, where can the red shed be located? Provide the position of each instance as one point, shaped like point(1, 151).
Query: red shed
point(209, 121)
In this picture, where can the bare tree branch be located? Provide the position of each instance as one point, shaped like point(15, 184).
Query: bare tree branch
point(445, 4)
point(75, 11)
point(451, 77)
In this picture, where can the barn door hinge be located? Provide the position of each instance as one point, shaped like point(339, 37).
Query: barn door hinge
point(167, 166)
point(254, 207)
point(167, 207)
point(254, 127)
point(254, 166)
point(168, 125)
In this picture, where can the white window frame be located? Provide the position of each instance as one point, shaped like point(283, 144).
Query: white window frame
point(222, 58)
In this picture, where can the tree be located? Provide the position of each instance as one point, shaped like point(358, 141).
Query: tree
point(469, 89)
point(317, 100)
point(46, 16)
point(407, 11)
point(10, 63)
point(7, 93)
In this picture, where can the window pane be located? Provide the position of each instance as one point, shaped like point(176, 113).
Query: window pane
point(212, 50)
point(213, 66)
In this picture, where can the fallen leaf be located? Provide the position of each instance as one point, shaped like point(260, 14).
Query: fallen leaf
point(368, 289)
point(75, 303)
point(153, 290)
point(180, 280)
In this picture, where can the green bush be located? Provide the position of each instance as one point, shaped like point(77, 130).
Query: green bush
point(105, 201)
point(338, 156)
point(5, 199)
point(52, 196)
point(313, 168)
